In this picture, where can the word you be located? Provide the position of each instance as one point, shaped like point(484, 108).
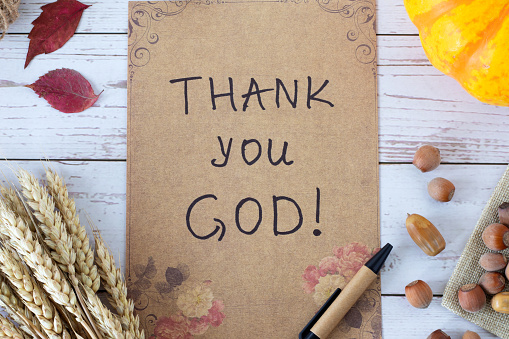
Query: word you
point(243, 151)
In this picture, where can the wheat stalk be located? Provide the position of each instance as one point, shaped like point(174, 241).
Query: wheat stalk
point(15, 203)
point(53, 228)
point(87, 270)
point(108, 324)
point(16, 309)
point(28, 290)
point(9, 330)
point(50, 275)
point(111, 277)
point(46, 272)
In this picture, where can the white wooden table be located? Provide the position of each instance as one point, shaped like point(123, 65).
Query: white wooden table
point(417, 105)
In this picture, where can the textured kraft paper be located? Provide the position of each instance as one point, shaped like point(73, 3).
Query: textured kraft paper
point(469, 271)
point(216, 248)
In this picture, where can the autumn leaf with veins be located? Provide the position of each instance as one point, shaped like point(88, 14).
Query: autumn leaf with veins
point(54, 27)
point(65, 90)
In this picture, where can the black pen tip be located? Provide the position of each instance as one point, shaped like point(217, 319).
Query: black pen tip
point(377, 261)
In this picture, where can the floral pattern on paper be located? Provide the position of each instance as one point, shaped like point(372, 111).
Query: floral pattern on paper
point(179, 326)
point(195, 301)
point(191, 308)
point(326, 286)
point(336, 271)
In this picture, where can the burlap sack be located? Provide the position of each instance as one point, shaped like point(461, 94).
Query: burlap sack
point(468, 270)
point(8, 14)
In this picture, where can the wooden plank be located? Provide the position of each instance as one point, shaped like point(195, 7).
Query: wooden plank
point(417, 104)
point(99, 189)
point(396, 50)
point(111, 17)
point(102, 17)
point(393, 50)
point(393, 19)
point(421, 105)
point(400, 320)
point(31, 129)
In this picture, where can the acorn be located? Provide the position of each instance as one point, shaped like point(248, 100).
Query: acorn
point(438, 334)
point(427, 158)
point(471, 297)
point(425, 234)
point(493, 237)
point(418, 294)
point(500, 302)
point(493, 261)
point(503, 213)
point(471, 335)
point(492, 282)
point(441, 189)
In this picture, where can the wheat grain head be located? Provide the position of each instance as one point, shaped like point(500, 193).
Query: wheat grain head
point(85, 267)
point(111, 277)
point(29, 291)
point(43, 267)
point(9, 330)
point(53, 228)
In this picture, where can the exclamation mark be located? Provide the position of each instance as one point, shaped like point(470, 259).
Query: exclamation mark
point(317, 232)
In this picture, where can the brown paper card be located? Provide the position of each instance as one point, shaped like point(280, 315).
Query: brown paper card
point(253, 184)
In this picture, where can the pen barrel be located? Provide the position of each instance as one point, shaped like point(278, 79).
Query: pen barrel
point(344, 302)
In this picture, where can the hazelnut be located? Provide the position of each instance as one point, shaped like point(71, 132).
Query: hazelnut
point(493, 237)
point(507, 272)
point(418, 294)
point(427, 158)
point(425, 234)
point(438, 334)
point(471, 335)
point(493, 261)
point(500, 302)
point(503, 213)
point(441, 189)
point(471, 297)
point(492, 282)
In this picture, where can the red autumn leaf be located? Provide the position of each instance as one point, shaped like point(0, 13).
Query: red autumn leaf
point(66, 90)
point(54, 27)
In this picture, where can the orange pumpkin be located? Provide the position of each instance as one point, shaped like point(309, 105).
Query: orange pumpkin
point(469, 41)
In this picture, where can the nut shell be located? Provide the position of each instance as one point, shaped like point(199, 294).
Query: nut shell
point(427, 158)
point(500, 302)
point(493, 237)
point(438, 334)
point(471, 335)
point(471, 297)
point(492, 282)
point(441, 189)
point(425, 234)
point(493, 261)
point(503, 213)
point(419, 294)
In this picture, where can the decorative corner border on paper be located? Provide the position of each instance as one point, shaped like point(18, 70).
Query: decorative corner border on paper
point(144, 14)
